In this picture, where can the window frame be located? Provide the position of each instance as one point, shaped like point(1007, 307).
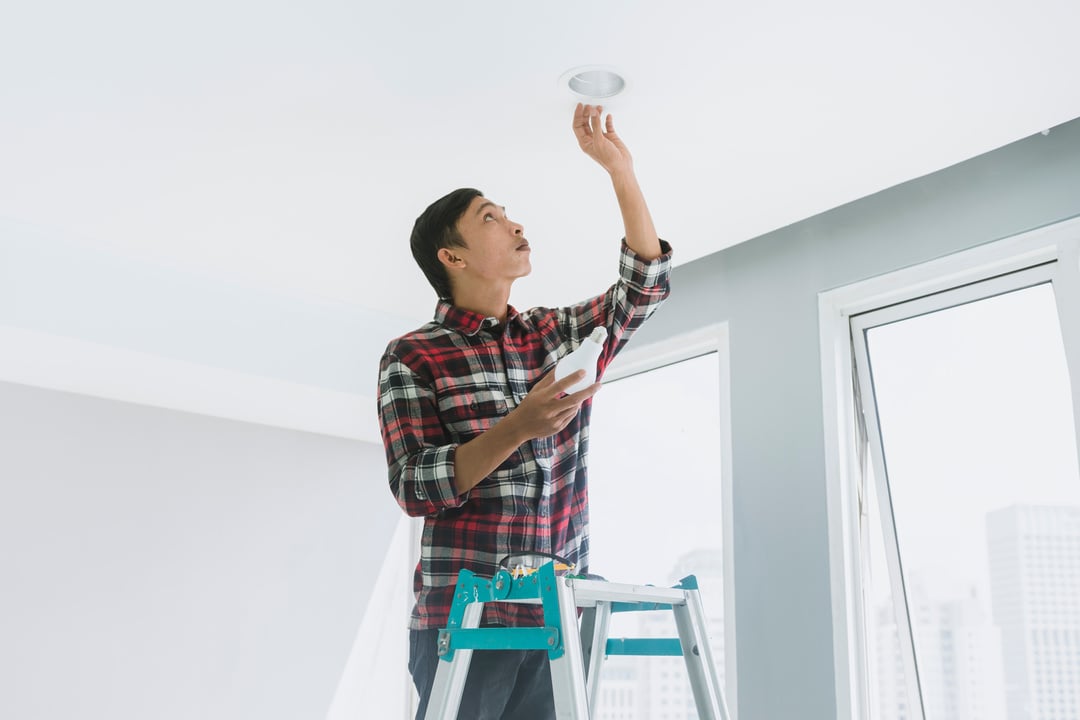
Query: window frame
point(848, 429)
point(861, 324)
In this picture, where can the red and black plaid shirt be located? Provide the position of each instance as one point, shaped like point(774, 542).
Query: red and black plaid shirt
point(455, 377)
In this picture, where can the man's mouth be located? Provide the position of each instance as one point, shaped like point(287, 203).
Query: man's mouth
point(524, 245)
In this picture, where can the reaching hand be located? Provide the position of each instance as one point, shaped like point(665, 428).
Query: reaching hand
point(602, 145)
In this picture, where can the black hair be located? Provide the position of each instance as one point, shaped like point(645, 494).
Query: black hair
point(436, 228)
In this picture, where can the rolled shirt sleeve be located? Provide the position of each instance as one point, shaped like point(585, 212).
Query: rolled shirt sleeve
point(646, 275)
point(420, 459)
point(642, 287)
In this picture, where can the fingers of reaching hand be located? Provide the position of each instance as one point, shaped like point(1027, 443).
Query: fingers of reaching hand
point(589, 123)
point(596, 118)
point(581, 122)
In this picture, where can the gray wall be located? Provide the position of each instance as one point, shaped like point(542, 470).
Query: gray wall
point(158, 564)
point(767, 291)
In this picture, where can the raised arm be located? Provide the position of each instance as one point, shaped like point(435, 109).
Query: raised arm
point(604, 146)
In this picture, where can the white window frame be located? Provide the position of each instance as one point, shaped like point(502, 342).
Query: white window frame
point(635, 359)
point(1058, 244)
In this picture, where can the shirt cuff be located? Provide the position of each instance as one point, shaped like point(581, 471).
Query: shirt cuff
point(643, 273)
point(433, 474)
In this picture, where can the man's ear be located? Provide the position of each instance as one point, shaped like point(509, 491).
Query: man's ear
point(448, 258)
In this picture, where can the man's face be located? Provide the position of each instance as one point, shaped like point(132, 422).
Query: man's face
point(496, 250)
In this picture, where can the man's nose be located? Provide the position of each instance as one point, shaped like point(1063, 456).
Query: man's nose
point(519, 229)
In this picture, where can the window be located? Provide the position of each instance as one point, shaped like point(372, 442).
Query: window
point(976, 437)
point(656, 497)
point(955, 489)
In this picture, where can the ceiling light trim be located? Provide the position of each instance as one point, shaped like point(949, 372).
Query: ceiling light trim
point(594, 82)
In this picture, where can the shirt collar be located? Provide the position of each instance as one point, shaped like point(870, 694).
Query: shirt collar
point(468, 322)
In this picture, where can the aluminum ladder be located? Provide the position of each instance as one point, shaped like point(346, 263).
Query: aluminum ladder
point(576, 651)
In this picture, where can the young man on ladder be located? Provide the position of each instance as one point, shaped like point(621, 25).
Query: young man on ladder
point(480, 439)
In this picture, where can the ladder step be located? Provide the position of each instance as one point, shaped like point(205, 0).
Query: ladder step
point(644, 646)
point(588, 592)
point(622, 607)
point(526, 638)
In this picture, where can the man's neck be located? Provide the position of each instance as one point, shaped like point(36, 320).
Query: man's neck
point(492, 303)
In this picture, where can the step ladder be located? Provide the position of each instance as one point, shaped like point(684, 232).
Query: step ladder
point(576, 651)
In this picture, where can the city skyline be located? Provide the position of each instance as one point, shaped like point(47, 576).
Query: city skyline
point(1018, 661)
point(961, 644)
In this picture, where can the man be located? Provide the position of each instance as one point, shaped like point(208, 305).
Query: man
point(480, 439)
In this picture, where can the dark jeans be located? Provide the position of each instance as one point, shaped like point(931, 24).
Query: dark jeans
point(501, 683)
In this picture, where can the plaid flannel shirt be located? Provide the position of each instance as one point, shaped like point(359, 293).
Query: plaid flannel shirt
point(455, 377)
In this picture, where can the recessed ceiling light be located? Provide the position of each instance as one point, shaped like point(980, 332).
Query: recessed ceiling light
point(594, 82)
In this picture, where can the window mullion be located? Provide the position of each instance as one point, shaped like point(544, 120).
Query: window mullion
point(1067, 298)
point(888, 523)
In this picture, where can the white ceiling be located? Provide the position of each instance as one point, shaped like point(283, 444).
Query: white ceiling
point(287, 147)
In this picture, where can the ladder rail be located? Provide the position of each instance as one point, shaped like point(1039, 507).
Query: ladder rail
point(697, 653)
point(568, 670)
point(595, 622)
point(445, 698)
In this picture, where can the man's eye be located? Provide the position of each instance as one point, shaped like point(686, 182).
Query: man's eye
point(488, 216)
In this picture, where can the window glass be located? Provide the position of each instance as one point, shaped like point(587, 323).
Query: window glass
point(975, 412)
point(655, 489)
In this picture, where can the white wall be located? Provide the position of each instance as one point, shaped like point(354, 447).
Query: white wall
point(159, 564)
point(766, 289)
